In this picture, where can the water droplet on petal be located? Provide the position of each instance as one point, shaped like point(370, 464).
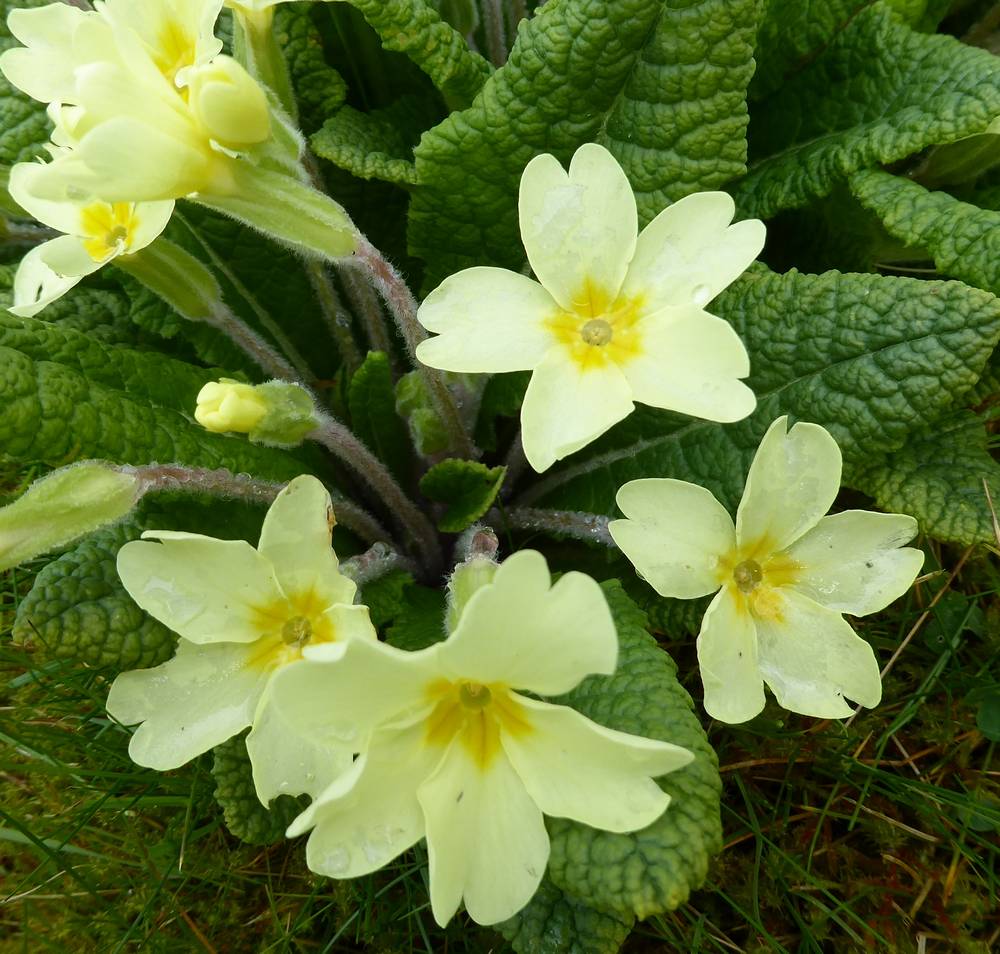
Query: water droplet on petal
point(336, 862)
point(701, 295)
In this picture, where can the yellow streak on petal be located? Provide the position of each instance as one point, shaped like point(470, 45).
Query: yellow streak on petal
point(175, 49)
point(622, 314)
point(272, 650)
point(478, 728)
point(107, 228)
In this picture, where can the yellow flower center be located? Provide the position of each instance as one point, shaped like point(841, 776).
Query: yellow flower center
point(757, 574)
point(476, 713)
point(598, 330)
point(108, 229)
point(287, 626)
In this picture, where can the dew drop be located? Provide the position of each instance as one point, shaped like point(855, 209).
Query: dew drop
point(701, 295)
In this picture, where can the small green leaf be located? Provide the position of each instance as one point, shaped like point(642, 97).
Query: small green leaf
point(415, 28)
point(419, 622)
point(78, 609)
point(386, 597)
point(413, 403)
point(554, 923)
point(879, 92)
point(245, 817)
point(372, 402)
point(466, 488)
point(652, 870)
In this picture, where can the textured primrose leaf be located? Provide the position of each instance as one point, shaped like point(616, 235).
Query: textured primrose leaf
point(78, 609)
point(54, 413)
point(679, 123)
point(372, 402)
point(466, 488)
point(879, 92)
point(419, 621)
point(101, 313)
point(24, 127)
point(319, 89)
point(581, 70)
point(370, 145)
point(938, 476)
point(164, 381)
point(654, 869)
point(870, 358)
point(792, 32)
point(963, 240)
point(415, 27)
point(386, 597)
point(554, 923)
point(245, 817)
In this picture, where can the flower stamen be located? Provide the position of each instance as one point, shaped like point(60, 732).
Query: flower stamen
point(748, 575)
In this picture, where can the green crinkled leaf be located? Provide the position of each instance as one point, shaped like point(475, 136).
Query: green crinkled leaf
point(54, 413)
point(466, 488)
point(679, 124)
point(878, 93)
point(502, 397)
point(386, 597)
point(24, 127)
point(963, 240)
point(656, 868)
point(582, 70)
point(319, 89)
point(146, 374)
point(100, 313)
point(78, 609)
point(372, 402)
point(938, 477)
point(415, 28)
point(245, 817)
point(870, 358)
point(371, 145)
point(553, 923)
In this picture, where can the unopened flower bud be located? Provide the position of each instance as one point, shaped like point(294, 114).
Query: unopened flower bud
point(63, 506)
point(228, 405)
point(230, 105)
point(278, 413)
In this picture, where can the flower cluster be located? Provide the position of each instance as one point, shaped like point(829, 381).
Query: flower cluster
point(458, 743)
point(146, 109)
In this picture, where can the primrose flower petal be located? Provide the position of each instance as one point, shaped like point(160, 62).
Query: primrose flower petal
point(491, 809)
point(784, 577)
point(36, 285)
point(805, 463)
point(689, 252)
point(450, 750)
point(727, 658)
point(698, 526)
point(614, 318)
point(575, 768)
point(370, 815)
point(578, 228)
point(189, 704)
point(692, 363)
point(812, 658)
point(855, 562)
point(525, 632)
point(567, 406)
point(242, 619)
point(206, 590)
point(500, 312)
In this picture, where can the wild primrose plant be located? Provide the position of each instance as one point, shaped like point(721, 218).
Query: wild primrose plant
point(411, 386)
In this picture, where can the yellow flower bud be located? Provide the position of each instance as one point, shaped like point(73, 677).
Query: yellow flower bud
point(228, 405)
point(229, 104)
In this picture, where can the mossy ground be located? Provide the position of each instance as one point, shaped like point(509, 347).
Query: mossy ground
point(879, 834)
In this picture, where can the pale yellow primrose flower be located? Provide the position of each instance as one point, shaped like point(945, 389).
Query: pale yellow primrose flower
point(96, 233)
point(143, 109)
point(613, 318)
point(786, 573)
point(452, 752)
point(243, 614)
